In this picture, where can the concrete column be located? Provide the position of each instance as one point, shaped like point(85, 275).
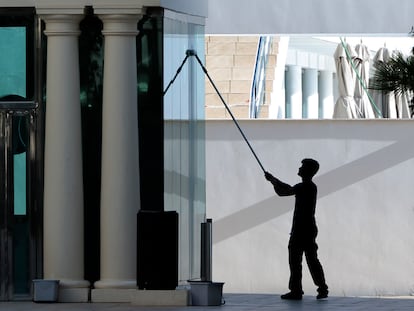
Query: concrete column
point(293, 88)
point(310, 101)
point(326, 97)
point(120, 187)
point(63, 184)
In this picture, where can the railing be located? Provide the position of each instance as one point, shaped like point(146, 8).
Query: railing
point(258, 89)
point(17, 105)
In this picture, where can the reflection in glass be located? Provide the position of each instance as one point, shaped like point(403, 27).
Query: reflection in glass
point(184, 158)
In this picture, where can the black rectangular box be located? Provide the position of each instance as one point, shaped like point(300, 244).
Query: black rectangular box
point(157, 250)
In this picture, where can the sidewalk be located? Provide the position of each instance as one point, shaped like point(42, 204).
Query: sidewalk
point(236, 302)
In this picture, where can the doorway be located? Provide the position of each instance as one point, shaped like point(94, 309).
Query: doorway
point(15, 246)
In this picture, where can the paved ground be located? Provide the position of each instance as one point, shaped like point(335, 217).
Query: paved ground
point(236, 302)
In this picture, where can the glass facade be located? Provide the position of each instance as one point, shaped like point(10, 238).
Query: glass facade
point(171, 128)
point(13, 82)
point(184, 153)
point(19, 116)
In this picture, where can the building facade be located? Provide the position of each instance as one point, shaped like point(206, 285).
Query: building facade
point(88, 141)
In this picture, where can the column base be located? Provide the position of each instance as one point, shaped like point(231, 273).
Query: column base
point(74, 291)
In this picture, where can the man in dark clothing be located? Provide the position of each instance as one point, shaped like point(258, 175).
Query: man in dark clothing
point(304, 230)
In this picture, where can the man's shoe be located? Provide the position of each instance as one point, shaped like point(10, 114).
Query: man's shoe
point(322, 295)
point(292, 296)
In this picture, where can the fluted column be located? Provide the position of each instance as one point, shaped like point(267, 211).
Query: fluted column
point(120, 171)
point(63, 184)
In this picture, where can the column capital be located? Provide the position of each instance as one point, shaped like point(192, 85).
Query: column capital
point(62, 24)
point(120, 24)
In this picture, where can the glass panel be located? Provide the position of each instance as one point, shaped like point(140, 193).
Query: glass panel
point(19, 163)
point(21, 236)
point(184, 158)
point(21, 248)
point(13, 61)
point(21, 266)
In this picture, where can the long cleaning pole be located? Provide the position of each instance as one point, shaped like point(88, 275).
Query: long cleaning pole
point(193, 53)
point(178, 71)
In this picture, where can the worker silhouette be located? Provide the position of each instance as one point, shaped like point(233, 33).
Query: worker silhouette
point(304, 230)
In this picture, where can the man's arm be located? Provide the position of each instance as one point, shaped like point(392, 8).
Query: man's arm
point(280, 187)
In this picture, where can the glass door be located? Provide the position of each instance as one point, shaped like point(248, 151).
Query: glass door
point(14, 219)
point(20, 222)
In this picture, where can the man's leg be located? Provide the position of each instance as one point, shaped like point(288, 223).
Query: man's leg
point(316, 270)
point(295, 265)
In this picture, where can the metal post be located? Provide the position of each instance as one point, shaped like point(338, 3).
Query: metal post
point(206, 250)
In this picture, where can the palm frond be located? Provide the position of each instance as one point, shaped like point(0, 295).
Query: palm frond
point(395, 75)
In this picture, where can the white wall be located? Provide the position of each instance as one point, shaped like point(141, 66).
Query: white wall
point(365, 208)
point(309, 17)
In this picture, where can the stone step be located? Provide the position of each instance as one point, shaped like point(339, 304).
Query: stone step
point(179, 297)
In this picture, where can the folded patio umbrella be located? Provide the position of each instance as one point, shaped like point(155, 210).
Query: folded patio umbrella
point(361, 66)
point(402, 102)
point(385, 101)
point(345, 106)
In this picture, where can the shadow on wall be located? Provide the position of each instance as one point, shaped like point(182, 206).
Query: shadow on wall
point(328, 183)
point(184, 185)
